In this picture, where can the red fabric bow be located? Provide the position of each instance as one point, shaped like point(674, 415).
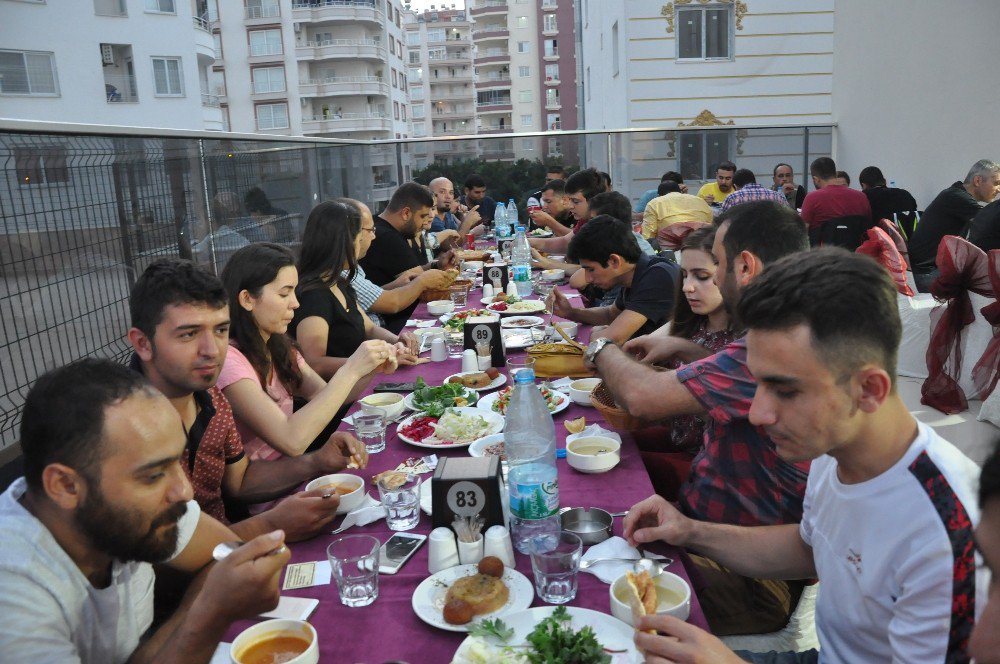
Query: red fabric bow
point(893, 232)
point(963, 268)
point(670, 237)
point(881, 247)
point(987, 369)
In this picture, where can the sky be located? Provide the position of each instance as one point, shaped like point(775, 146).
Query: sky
point(420, 5)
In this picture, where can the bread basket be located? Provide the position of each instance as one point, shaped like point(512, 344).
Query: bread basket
point(443, 293)
point(616, 416)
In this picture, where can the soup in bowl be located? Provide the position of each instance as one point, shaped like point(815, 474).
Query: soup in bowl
point(350, 488)
point(276, 642)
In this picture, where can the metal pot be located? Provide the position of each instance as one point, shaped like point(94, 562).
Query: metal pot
point(591, 524)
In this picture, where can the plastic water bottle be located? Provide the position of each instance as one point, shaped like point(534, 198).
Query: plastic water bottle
point(501, 228)
point(532, 481)
point(520, 259)
point(512, 219)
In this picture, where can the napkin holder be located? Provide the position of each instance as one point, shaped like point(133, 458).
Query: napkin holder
point(467, 486)
point(486, 329)
point(494, 273)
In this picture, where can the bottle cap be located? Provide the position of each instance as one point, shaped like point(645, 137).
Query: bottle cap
point(524, 376)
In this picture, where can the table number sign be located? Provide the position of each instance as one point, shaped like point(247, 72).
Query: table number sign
point(496, 273)
point(467, 486)
point(486, 329)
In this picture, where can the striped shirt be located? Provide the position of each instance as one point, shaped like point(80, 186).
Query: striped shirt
point(366, 293)
point(751, 193)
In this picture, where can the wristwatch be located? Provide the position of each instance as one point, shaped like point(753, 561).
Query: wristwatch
point(594, 349)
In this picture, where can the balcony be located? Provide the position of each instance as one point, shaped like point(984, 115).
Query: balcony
point(210, 100)
point(452, 114)
point(552, 105)
point(489, 8)
point(451, 59)
point(551, 80)
point(343, 85)
point(484, 108)
point(493, 83)
point(495, 129)
point(336, 11)
point(487, 35)
point(261, 15)
point(551, 55)
point(120, 89)
point(345, 122)
point(203, 42)
point(351, 49)
point(549, 5)
point(462, 96)
point(493, 56)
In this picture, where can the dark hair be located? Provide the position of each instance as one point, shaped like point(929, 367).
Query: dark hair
point(588, 182)
point(777, 166)
point(823, 168)
point(767, 229)
point(845, 177)
point(726, 166)
point(250, 269)
point(328, 244)
point(411, 195)
point(474, 180)
point(872, 176)
point(847, 300)
point(606, 180)
point(743, 177)
point(63, 416)
point(599, 238)
point(558, 187)
point(556, 168)
point(684, 321)
point(989, 478)
point(672, 176)
point(170, 281)
point(614, 205)
point(668, 187)
point(255, 200)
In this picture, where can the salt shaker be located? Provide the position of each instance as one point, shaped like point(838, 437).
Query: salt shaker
point(439, 352)
point(488, 291)
point(511, 288)
point(470, 361)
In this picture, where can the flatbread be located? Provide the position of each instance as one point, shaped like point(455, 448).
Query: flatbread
point(642, 596)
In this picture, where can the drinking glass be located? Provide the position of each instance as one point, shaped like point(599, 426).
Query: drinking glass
point(459, 294)
point(515, 364)
point(557, 568)
point(354, 563)
point(456, 343)
point(370, 429)
point(401, 501)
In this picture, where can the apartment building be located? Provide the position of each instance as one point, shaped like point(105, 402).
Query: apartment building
point(143, 63)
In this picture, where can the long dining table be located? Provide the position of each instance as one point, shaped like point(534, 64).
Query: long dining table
point(388, 630)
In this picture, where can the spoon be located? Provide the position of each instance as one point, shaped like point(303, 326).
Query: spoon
point(654, 567)
point(223, 549)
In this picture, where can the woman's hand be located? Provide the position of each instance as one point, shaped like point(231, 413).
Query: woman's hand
point(372, 355)
point(404, 355)
point(410, 343)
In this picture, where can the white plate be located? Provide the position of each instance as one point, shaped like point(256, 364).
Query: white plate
point(514, 338)
point(446, 317)
point(408, 399)
point(514, 321)
point(495, 421)
point(540, 232)
point(486, 403)
point(476, 448)
point(494, 384)
point(487, 300)
point(428, 598)
point(611, 633)
point(525, 307)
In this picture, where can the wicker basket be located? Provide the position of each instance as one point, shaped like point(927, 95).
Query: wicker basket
point(615, 415)
point(442, 293)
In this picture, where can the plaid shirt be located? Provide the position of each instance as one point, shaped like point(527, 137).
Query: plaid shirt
point(737, 478)
point(750, 193)
point(366, 293)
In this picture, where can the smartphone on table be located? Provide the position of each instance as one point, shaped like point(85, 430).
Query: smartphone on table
point(397, 550)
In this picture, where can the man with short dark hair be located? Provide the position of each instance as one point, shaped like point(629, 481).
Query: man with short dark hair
point(738, 477)
point(103, 496)
point(831, 200)
point(890, 203)
point(475, 198)
point(609, 256)
point(950, 213)
point(580, 188)
point(180, 335)
point(890, 506)
point(552, 172)
point(650, 194)
point(784, 183)
point(748, 191)
point(555, 213)
point(716, 192)
point(671, 206)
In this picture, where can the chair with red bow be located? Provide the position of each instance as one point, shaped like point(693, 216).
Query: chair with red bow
point(880, 246)
point(670, 237)
point(987, 369)
point(892, 230)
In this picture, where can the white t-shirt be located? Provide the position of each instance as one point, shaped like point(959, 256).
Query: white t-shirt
point(49, 611)
point(890, 571)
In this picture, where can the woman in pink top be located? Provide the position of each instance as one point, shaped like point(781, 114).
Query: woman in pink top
point(263, 370)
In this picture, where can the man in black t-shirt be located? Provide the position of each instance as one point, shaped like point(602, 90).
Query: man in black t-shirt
point(888, 202)
point(984, 232)
point(608, 253)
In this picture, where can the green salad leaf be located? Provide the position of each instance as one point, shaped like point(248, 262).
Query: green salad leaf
point(434, 400)
point(555, 642)
point(495, 628)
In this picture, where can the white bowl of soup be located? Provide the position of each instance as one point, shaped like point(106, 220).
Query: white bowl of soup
point(579, 390)
point(673, 597)
point(350, 488)
point(440, 307)
point(388, 404)
point(288, 641)
point(593, 454)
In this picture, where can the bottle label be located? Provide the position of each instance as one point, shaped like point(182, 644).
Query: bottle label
point(521, 273)
point(534, 501)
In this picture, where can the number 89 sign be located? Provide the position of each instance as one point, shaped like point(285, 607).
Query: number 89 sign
point(466, 498)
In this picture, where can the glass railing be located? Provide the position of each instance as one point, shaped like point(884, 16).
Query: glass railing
point(85, 210)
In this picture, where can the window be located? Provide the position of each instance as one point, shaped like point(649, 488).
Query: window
point(27, 73)
point(524, 96)
point(402, 111)
point(163, 6)
point(588, 84)
point(419, 129)
point(415, 74)
point(549, 23)
point(414, 57)
point(412, 38)
point(705, 33)
point(527, 144)
point(523, 47)
point(40, 165)
point(268, 79)
point(167, 77)
point(217, 41)
point(395, 110)
point(524, 71)
point(417, 93)
point(435, 35)
point(392, 47)
point(552, 97)
point(526, 120)
point(552, 72)
point(399, 49)
point(701, 153)
point(110, 8)
point(262, 9)
point(265, 42)
point(614, 49)
point(395, 80)
point(418, 111)
point(552, 47)
point(272, 116)
point(522, 21)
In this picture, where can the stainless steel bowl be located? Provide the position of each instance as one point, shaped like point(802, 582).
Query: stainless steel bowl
point(591, 524)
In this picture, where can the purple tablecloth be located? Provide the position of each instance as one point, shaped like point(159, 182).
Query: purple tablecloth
point(389, 629)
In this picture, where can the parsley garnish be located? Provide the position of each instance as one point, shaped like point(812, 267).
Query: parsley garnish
point(495, 628)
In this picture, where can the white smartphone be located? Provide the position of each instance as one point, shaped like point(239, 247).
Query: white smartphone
point(397, 550)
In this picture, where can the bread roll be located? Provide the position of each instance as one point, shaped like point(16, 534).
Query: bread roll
point(642, 596)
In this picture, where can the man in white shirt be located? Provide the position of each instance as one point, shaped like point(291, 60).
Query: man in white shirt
point(103, 496)
point(984, 645)
point(890, 506)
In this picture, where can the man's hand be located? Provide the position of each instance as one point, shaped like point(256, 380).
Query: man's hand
point(540, 260)
point(305, 514)
point(434, 279)
point(410, 342)
point(338, 452)
point(653, 349)
point(447, 236)
point(411, 274)
point(559, 305)
point(245, 583)
point(543, 218)
point(472, 217)
point(709, 198)
point(680, 643)
point(404, 355)
point(656, 519)
point(788, 188)
point(448, 259)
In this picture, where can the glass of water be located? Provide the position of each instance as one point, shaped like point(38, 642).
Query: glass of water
point(557, 568)
point(456, 343)
point(459, 294)
point(370, 429)
point(354, 563)
point(401, 500)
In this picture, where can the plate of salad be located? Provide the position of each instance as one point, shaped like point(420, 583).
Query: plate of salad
point(457, 427)
point(549, 634)
point(497, 401)
point(456, 322)
point(502, 297)
point(434, 400)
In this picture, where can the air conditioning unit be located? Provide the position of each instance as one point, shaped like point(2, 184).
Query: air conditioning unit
point(107, 55)
point(297, 27)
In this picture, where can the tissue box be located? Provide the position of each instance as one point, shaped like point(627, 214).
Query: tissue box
point(467, 486)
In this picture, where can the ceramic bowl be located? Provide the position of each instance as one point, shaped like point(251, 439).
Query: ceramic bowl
point(348, 501)
point(673, 596)
point(579, 390)
point(440, 307)
point(388, 404)
point(593, 454)
point(277, 628)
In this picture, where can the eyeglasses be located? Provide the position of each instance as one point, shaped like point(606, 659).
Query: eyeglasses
point(370, 230)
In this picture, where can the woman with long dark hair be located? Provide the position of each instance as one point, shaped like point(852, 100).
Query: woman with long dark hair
point(330, 325)
point(263, 369)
